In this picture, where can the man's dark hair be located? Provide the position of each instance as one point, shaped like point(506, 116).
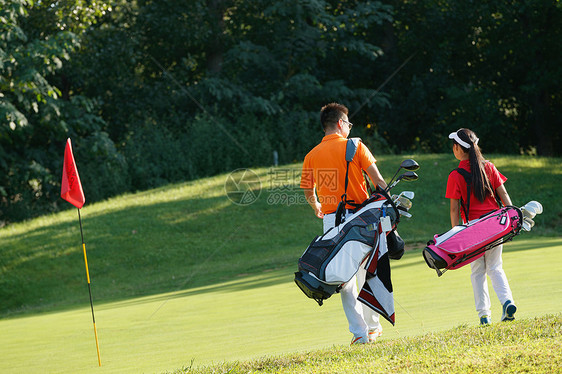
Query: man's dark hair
point(330, 115)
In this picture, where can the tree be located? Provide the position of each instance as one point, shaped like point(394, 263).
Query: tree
point(35, 121)
point(488, 67)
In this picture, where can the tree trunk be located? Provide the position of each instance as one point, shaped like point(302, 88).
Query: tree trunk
point(215, 48)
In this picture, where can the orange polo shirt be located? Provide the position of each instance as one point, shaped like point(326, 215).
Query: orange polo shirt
point(324, 169)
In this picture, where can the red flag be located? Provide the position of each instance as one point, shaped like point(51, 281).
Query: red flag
point(71, 189)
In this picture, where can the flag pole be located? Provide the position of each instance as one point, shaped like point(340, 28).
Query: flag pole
point(89, 287)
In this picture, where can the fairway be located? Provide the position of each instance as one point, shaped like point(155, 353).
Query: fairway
point(265, 314)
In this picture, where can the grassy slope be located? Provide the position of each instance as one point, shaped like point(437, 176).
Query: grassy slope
point(164, 263)
point(530, 346)
point(146, 243)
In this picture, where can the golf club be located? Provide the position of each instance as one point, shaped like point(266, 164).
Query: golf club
point(404, 213)
point(407, 164)
point(529, 221)
point(528, 213)
point(407, 176)
point(536, 205)
point(403, 202)
point(531, 209)
point(407, 194)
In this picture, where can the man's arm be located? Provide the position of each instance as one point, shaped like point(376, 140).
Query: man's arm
point(454, 211)
point(311, 199)
point(376, 176)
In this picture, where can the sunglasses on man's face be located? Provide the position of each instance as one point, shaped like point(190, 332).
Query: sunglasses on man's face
point(348, 123)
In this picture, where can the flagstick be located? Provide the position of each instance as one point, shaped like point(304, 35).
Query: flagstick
point(89, 288)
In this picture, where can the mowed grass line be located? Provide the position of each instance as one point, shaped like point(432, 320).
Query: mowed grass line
point(266, 315)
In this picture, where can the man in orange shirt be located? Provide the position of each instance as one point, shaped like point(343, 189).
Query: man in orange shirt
point(323, 182)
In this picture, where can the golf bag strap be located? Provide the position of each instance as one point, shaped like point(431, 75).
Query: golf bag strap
point(350, 150)
point(468, 179)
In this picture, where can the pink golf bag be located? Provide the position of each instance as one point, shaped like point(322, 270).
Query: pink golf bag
point(465, 243)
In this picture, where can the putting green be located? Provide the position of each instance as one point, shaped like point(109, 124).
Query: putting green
point(261, 315)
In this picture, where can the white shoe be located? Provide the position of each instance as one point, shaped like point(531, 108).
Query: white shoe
point(508, 311)
point(359, 340)
point(374, 334)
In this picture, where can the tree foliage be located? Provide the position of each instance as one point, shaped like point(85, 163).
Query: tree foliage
point(35, 120)
point(491, 67)
point(154, 92)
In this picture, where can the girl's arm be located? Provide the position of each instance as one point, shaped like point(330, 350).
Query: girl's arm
point(454, 211)
point(503, 195)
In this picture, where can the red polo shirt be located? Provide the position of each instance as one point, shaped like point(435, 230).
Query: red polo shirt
point(456, 189)
point(324, 168)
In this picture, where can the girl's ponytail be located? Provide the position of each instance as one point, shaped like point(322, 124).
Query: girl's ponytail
point(480, 182)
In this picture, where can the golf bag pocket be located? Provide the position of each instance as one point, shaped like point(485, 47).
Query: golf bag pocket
point(464, 244)
point(395, 245)
point(314, 288)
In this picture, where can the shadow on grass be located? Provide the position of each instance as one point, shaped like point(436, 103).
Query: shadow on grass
point(147, 250)
point(248, 282)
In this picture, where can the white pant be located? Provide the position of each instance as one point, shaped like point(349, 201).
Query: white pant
point(490, 264)
point(360, 317)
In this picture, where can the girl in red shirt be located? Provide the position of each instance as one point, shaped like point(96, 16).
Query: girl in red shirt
point(487, 184)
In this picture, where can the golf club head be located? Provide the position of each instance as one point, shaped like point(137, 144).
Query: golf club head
point(409, 176)
point(527, 224)
point(533, 206)
point(410, 164)
point(529, 221)
point(528, 213)
point(404, 202)
point(408, 194)
point(404, 213)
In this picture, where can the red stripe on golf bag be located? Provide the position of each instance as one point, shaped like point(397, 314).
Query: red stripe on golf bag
point(372, 263)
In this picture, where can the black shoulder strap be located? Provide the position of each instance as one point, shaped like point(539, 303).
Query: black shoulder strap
point(350, 150)
point(468, 179)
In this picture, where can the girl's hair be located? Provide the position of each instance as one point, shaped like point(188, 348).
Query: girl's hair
point(480, 183)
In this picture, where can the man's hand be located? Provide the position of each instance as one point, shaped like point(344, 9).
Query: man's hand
point(311, 199)
point(318, 210)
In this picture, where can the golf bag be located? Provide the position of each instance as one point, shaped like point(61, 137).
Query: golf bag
point(464, 244)
point(335, 257)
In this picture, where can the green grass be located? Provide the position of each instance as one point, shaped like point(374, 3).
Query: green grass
point(263, 315)
point(180, 273)
point(527, 346)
